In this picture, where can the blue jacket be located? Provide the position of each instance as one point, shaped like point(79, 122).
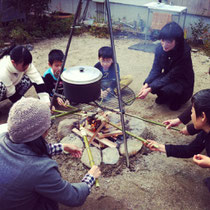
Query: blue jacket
point(109, 77)
point(32, 182)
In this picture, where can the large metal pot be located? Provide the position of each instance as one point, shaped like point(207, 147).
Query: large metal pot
point(82, 84)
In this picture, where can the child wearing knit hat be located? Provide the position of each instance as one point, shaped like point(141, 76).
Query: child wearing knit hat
point(30, 179)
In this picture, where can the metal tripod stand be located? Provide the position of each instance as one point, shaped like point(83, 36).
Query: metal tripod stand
point(122, 112)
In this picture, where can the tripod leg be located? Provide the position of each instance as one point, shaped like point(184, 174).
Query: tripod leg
point(67, 49)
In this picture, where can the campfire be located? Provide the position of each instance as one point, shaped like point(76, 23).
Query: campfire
point(99, 132)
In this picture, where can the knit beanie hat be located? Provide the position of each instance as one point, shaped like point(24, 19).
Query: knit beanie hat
point(28, 119)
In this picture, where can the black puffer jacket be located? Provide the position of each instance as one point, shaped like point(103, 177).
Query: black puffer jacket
point(173, 67)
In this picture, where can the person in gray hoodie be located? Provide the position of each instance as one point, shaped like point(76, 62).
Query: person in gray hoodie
point(30, 179)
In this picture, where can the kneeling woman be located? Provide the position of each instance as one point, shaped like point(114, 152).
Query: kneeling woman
point(30, 179)
point(171, 76)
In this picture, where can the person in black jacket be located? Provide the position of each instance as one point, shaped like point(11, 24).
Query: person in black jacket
point(184, 118)
point(172, 76)
point(201, 120)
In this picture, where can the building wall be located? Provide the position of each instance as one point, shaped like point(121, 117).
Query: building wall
point(128, 11)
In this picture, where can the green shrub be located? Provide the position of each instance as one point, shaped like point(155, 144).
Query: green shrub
point(19, 35)
point(200, 31)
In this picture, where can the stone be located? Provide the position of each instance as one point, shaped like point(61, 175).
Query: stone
point(96, 153)
point(133, 145)
point(65, 127)
point(136, 126)
point(74, 140)
point(110, 155)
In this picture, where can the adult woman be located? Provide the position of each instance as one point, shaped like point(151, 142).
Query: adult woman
point(30, 179)
point(172, 76)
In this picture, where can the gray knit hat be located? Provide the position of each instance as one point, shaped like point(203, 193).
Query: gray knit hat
point(28, 119)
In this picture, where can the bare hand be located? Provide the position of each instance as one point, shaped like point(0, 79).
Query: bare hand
point(172, 123)
point(104, 93)
point(95, 171)
point(154, 146)
point(62, 103)
point(202, 160)
point(184, 131)
point(144, 86)
point(73, 150)
point(143, 93)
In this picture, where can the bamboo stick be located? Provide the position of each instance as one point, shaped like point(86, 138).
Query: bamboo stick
point(151, 121)
point(88, 151)
point(63, 114)
point(58, 111)
point(131, 134)
point(140, 118)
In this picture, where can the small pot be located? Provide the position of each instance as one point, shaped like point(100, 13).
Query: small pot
point(82, 84)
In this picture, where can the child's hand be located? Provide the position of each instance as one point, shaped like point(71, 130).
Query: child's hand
point(61, 102)
point(95, 171)
point(73, 150)
point(154, 146)
point(52, 109)
point(66, 103)
point(202, 160)
point(184, 131)
point(104, 93)
point(172, 123)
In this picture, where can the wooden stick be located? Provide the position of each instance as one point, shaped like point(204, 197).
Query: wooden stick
point(97, 131)
point(76, 131)
point(105, 135)
point(104, 140)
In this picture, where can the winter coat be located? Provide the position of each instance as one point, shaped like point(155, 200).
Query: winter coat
point(172, 68)
point(29, 181)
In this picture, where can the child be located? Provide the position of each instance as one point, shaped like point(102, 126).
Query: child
point(106, 66)
point(171, 76)
point(18, 74)
point(201, 121)
point(55, 59)
point(30, 179)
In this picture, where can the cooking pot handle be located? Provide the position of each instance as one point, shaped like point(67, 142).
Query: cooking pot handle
point(81, 69)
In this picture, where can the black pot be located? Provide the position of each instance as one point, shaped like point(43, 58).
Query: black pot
point(82, 84)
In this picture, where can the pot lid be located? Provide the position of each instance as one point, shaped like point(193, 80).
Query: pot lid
point(81, 75)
